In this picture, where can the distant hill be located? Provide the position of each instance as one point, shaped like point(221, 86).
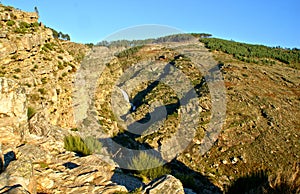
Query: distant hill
point(257, 54)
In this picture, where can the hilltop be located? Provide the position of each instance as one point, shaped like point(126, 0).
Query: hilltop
point(41, 151)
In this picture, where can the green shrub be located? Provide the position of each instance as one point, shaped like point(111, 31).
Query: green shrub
point(148, 166)
point(43, 165)
point(47, 58)
point(15, 56)
point(90, 45)
point(28, 85)
point(44, 80)
point(30, 112)
point(23, 24)
point(42, 91)
point(18, 70)
point(60, 66)
point(35, 24)
point(20, 30)
point(76, 144)
point(93, 145)
point(79, 57)
point(23, 28)
point(34, 97)
point(45, 49)
point(10, 22)
point(49, 46)
point(129, 52)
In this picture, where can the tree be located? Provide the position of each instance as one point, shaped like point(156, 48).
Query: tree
point(55, 33)
point(68, 37)
point(36, 10)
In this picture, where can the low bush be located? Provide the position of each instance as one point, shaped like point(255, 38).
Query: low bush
point(10, 23)
point(76, 144)
point(30, 112)
point(86, 146)
point(44, 80)
point(93, 144)
point(18, 70)
point(42, 91)
point(148, 166)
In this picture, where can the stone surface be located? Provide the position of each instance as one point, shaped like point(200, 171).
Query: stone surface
point(13, 112)
point(39, 125)
point(19, 173)
point(164, 185)
point(13, 103)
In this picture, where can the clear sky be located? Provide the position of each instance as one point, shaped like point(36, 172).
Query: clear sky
point(268, 22)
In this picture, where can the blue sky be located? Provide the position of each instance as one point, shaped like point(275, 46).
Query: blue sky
point(273, 23)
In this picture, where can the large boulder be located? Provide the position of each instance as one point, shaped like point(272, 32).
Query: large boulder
point(18, 177)
point(13, 112)
point(12, 100)
point(167, 184)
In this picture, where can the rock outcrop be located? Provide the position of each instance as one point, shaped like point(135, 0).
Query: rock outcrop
point(42, 64)
point(164, 185)
point(36, 161)
point(17, 175)
point(13, 112)
point(13, 101)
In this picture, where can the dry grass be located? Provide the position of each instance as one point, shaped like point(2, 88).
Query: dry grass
point(287, 181)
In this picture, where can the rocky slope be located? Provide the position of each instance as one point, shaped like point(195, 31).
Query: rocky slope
point(261, 130)
point(37, 76)
point(44, 66)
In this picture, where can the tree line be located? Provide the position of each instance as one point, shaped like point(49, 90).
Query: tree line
point(253, 53)
point(169, 38)
point(60, 35)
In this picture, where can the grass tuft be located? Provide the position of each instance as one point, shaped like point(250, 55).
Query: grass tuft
point(145, 166)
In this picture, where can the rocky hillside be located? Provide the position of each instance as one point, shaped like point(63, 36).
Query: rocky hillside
point(44, 66)
point(36, 114)
point(257, 150)
point(260, 137)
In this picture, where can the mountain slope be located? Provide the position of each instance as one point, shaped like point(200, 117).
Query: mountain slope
point(261, 130)
point(42, 64)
